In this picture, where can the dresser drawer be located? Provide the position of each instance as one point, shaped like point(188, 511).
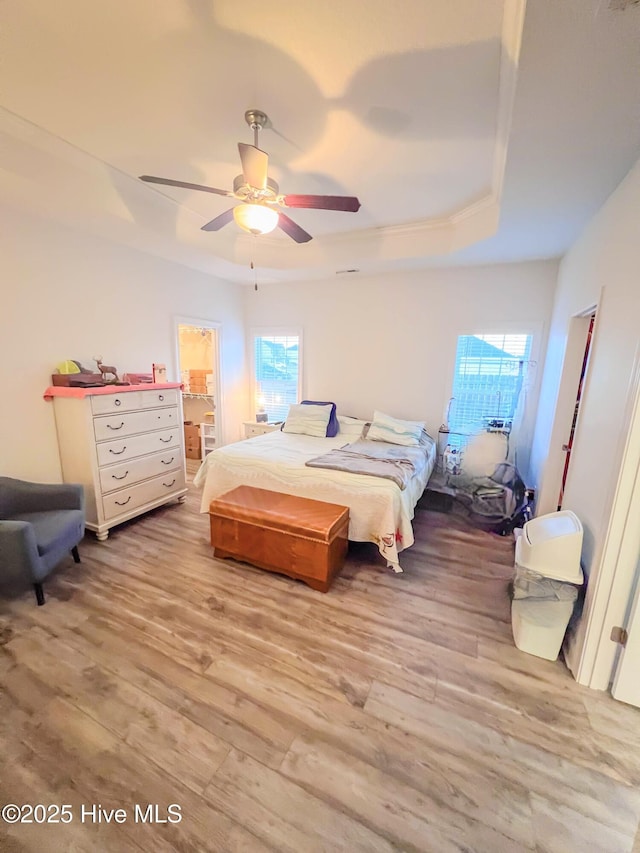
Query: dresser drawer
point(105, 404)
point(157, 399)
point(125, 500)
point(130, 423)
point(122, 449)
point(127, 473)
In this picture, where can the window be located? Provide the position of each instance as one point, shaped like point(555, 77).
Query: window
point(276, 373)
point(488, 378)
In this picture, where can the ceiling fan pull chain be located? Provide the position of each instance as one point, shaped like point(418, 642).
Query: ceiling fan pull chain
point(255, 276)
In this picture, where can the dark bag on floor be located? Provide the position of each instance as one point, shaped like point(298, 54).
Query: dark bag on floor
point(499, 502)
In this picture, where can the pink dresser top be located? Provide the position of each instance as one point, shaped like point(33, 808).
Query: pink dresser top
point(63, 391)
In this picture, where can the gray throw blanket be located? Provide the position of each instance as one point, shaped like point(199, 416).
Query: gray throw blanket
point(378, 459)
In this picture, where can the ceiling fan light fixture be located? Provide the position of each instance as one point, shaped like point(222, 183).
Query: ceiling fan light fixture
point(255, 218)
point(258, 193)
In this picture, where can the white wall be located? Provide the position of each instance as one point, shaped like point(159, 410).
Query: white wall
point(602, 267)
point(63, 295)
point(388, 342)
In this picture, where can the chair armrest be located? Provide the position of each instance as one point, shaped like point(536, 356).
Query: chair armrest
point(34, 497)
point(19, 558)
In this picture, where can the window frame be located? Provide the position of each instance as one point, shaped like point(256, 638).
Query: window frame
point(534, 330)
point(268, 332)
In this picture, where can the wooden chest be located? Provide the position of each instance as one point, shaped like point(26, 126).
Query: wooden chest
point(298, 537)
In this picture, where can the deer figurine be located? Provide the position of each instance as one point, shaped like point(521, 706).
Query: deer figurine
point(106, 370)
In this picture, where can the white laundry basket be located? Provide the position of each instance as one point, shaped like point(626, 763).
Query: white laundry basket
point(546, 581)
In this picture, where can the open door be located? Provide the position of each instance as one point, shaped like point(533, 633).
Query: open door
point(626, 678)
point(626, 685)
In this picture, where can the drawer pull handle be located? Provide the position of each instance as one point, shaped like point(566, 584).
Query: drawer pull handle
point(165, 440)
point(118, 427)
point(118, 452)
point(168, 485)
point(165, 462)
point(124, 503)
point(117, 402)
point(115, 477)
point(161, 397)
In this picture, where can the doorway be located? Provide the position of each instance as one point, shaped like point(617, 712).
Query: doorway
point(198, 362)
point(574, 418)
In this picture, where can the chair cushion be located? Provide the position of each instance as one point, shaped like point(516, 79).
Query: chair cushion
point(55, 529)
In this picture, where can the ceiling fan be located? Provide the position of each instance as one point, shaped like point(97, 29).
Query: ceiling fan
point(260, 195)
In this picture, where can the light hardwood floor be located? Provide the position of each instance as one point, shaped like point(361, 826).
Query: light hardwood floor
point(392, 713)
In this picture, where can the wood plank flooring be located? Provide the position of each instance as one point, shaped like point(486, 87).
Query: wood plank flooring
point(393, 713)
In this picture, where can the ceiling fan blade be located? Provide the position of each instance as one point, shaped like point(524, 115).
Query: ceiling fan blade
point(219, 222)
point(150, 179)
point(255, 164)
point(347, 203)
point(292, 229)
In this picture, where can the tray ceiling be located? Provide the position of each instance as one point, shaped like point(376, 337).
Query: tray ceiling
point(406, 104)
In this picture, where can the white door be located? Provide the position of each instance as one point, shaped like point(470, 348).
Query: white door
point(626, 685)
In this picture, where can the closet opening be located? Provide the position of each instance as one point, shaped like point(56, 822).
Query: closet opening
point(198, 370)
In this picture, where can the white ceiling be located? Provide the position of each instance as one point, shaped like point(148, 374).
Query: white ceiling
point(466, 136)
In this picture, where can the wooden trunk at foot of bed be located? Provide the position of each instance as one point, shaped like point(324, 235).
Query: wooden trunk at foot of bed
point(297, 537)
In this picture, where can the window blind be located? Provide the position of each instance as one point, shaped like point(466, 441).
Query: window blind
point(488, 377)
point(276, 366)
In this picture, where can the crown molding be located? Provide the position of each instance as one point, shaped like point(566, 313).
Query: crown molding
point(512, 29)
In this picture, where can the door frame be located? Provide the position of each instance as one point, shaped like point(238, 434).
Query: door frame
point(200, 323)
point(572, 361)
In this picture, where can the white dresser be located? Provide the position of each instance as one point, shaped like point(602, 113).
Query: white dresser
point(125, 445)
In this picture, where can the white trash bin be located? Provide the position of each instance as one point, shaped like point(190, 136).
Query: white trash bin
point(546, 581)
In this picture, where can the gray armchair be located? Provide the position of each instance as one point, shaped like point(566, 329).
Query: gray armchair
point(39, 524)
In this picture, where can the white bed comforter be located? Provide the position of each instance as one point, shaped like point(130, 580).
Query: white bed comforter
point(378, 510)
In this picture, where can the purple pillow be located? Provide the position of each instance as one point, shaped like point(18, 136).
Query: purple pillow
point(332, 426)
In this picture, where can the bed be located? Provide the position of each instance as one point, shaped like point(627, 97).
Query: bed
point(379, 510)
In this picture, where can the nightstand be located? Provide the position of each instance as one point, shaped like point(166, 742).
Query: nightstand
point(252, 428)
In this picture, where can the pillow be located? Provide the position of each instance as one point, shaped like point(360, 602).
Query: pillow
point(307, 420)
point(332, 426)
point(394, 430)
point(351, 427)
